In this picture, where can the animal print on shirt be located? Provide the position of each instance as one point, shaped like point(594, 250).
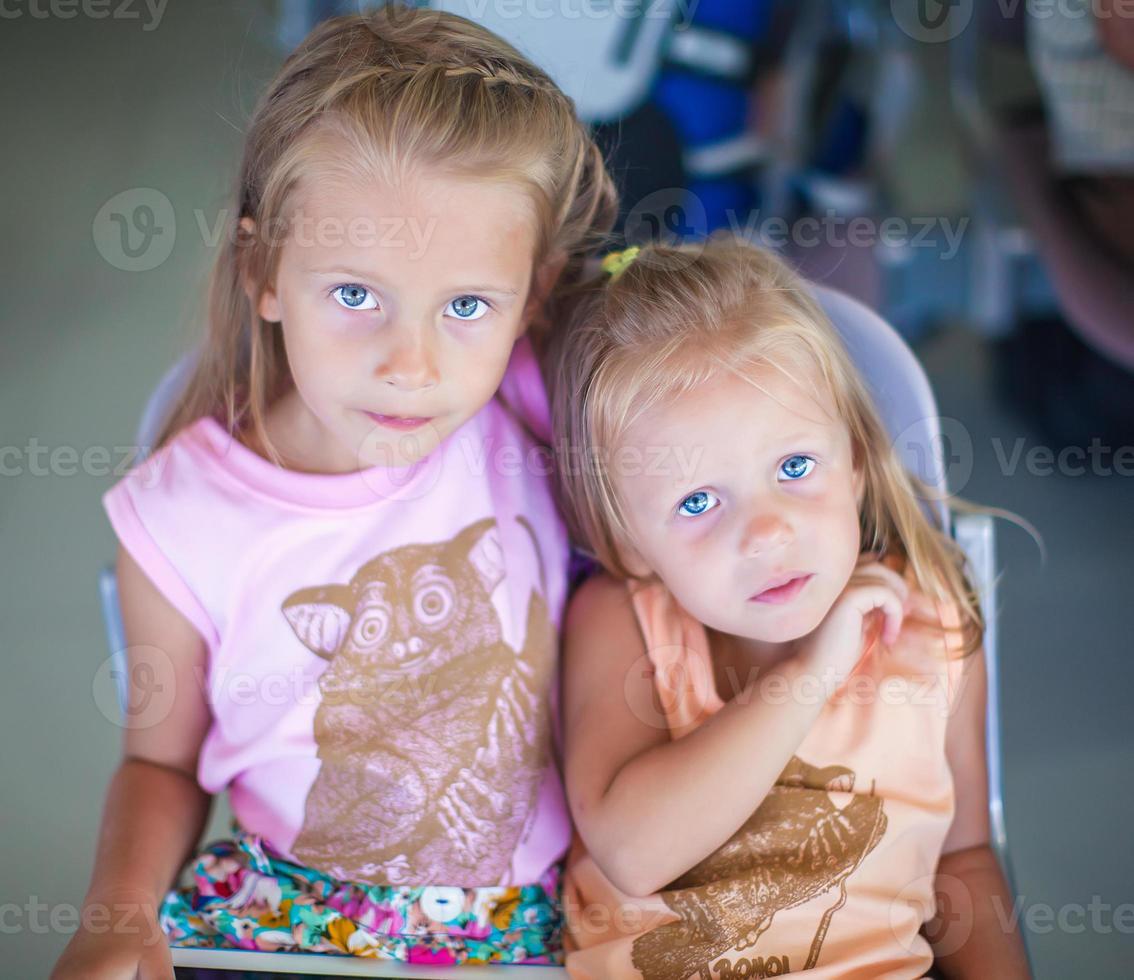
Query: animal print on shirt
point(795, 846)
point(432, 732)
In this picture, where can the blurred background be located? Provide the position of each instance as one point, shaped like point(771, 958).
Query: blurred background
point(966, 167)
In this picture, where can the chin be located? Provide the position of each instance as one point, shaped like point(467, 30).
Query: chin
point(393, 450)
point(792, 625)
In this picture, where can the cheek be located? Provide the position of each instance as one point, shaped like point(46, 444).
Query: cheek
point(319, 375)
point(318, 348)
point(828, 524)
point(686, 560)
point(476, 369)
point(481, 378)
point(307, 359)
point(842, 530)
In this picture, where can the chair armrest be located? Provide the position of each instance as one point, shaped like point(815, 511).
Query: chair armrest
point(115, 632)
point(976, 536)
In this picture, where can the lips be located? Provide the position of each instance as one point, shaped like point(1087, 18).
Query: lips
point(783, 588)
point(402, 423)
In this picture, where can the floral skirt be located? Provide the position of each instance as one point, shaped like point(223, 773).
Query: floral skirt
point(246, 896)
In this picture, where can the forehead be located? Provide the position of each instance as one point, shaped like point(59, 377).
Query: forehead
point(766, 403)
point(474, 229)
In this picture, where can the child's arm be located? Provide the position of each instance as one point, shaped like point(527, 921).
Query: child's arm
point(155, 812)
point(974, 934)
point(649, 808)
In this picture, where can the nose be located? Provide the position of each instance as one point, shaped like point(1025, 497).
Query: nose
point(409, 362)
point(764, 533)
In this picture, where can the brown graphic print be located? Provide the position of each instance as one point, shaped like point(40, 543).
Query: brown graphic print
point(796, 845)
point(431, 730)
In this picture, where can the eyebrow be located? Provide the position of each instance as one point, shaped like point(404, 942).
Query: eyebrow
point(813, 435)
point(370, 277)
point(796, 441)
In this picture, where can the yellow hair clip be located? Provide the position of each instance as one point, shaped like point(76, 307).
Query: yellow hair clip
point(615, 263)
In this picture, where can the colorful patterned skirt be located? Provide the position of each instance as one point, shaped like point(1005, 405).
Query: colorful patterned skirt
point(246, 896)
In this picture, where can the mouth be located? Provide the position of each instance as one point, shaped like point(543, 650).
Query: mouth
point(783, 589)
point(402, 423)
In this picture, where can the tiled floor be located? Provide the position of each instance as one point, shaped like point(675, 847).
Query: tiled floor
point(96, 107)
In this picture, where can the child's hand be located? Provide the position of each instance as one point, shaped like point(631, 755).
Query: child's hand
point(141, 952)
point(836, 645)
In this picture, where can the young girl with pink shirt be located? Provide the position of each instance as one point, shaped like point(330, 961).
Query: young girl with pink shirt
point(343, 564)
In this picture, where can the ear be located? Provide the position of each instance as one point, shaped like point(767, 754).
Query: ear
point(480, 544)
point(267, 303)
point(321, 617)
point(543, 282)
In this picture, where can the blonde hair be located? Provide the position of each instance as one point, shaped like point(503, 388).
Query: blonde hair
point(668, 322)
point(382, 95)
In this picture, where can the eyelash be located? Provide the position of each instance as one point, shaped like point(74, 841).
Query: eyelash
point(365, 309)
point(705, 493)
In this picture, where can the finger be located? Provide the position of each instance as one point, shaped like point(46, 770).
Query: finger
point(880, 569)
point(868, 598)
point(876, 573)
point(902, 596)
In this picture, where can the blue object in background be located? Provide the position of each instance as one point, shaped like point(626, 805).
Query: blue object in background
point(705, 88)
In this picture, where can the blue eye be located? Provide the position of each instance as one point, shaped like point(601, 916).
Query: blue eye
point(797, 467)
point(353, 297)
point(697, 504)
point(468, 307)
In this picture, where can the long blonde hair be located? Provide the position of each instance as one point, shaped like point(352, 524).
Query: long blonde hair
point(670, 321)
point(392, 91)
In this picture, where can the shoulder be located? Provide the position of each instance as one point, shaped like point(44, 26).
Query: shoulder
point(608, 677)
point(165, 472)
point(176, 480)
point(602, 635)
point(157, 515)
point(600, 605)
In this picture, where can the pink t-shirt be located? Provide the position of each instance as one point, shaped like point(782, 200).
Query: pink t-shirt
point(381, 645)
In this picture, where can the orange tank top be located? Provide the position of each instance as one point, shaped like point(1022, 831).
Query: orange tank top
point(834, 871)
